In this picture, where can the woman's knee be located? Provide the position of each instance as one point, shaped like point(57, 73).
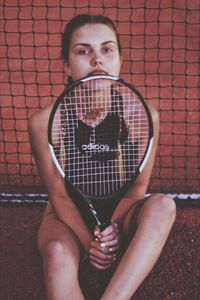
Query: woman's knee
point(54, 254)
point(163, 203)
point(57, 257)
point(160, 207)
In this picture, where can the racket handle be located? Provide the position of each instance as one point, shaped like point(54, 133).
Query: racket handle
point(103, 226)
point(86, 208)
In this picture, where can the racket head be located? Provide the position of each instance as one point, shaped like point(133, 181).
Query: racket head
point(100, 136)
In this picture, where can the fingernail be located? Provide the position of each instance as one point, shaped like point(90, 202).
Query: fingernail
point(96, 239)
point(115, 224)
point(96, 233)
point(103, 245)
point(110, 249)
point(114, 257)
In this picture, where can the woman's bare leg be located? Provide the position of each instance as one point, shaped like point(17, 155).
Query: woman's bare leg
point(154, 224)
point(61, 252)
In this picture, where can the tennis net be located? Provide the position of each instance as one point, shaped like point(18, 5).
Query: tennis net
point(160, 48)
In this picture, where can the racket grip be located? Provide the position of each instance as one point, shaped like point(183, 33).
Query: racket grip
point(103, 226)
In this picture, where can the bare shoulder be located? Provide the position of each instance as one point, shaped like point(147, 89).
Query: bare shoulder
point(156, 122)
point(38, 131)
point(154, 114)
point(38, 122)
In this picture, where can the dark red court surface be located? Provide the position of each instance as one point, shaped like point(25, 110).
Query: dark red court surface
point(176, 275)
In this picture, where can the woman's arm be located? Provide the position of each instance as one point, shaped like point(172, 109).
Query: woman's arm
point(53, 181)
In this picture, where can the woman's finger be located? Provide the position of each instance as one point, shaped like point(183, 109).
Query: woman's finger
point(102, 264)
point(100, 267)
point(110, 233)
point(110, 230)
point(110, 248)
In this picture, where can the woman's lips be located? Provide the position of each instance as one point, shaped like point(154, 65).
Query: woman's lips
point(97, 72)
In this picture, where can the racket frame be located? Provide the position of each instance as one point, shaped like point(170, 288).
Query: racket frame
point(87, 198)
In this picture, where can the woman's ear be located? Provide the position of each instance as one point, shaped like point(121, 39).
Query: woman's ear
point(67, 69)
point(68, 73)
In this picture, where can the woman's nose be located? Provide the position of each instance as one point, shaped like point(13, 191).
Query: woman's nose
point(96, 60)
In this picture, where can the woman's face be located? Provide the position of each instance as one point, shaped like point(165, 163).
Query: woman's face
point(93, 50)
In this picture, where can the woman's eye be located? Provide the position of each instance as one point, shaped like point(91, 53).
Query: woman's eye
point(83, 52)
point(107, 50)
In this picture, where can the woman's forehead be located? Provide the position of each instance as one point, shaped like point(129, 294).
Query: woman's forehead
point(90, 33)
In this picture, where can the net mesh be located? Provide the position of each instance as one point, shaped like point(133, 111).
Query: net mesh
point(160, 41)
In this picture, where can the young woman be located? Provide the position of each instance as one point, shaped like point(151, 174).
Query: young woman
point(90, 45)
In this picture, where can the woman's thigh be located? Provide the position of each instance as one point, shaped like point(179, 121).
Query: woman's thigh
point(153, 204)
point(131, 219)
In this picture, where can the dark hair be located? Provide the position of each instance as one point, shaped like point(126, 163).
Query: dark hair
point(79, 21)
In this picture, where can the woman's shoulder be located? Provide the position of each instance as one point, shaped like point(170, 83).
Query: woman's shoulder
point(154, 114)
point(39, 119)
point(156, 122)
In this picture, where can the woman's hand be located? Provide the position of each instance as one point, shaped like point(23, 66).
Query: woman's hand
point(103, 249)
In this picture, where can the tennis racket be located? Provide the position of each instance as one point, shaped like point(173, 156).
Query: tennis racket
point(100, 136)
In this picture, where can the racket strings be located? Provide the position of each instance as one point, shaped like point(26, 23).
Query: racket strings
point(104, 137)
